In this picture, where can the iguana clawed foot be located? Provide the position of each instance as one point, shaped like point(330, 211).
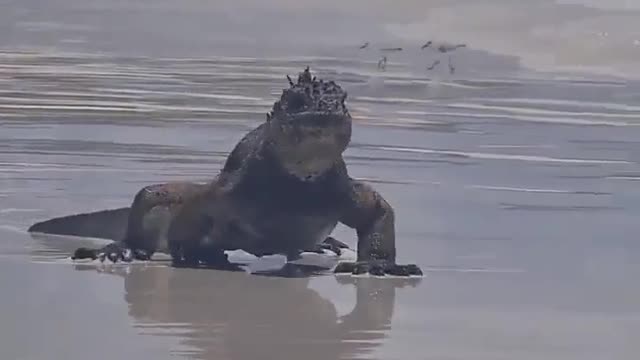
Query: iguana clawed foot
point(332, 244)
point(114, 252)
point(85, 253)
point(378, 268)
point(210, 258)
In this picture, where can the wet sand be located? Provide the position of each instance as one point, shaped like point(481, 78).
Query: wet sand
point(515, 191)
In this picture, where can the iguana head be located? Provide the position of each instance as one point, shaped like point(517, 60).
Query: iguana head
point(309, 127)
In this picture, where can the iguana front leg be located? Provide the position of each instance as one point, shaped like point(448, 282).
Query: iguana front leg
point(374, 220)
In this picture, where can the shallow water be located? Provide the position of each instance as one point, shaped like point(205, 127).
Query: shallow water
point(515, 190)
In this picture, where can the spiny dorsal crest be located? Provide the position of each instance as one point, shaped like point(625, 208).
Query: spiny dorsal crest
point(310, 94)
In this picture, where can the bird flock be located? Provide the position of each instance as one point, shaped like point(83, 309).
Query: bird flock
point(441, 48)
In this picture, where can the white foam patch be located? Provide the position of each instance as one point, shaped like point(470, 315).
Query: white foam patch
point(239, 256)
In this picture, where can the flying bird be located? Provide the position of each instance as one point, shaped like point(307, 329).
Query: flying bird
point(452, 68)
point(391, 49)
point(433, 66)
point(382, 63)
point(446, 48)
point(364, 45)
point(443, 48)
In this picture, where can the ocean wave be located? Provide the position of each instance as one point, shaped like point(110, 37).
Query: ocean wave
point(533, 146)
point(538, 119)
point(17, 210)
point(390, 100)
point(103, 106)
point(535, 190)
point(568, 103)
point(496, 156)
point(562, 208)
point(534, 111)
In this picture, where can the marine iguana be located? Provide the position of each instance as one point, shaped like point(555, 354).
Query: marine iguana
point(282, 190)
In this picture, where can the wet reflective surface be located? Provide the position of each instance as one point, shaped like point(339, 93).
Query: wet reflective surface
point(515, 191)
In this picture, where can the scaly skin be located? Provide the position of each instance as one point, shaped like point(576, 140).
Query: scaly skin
point(282, 190)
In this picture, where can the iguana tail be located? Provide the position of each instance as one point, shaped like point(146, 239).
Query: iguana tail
point(106, 224)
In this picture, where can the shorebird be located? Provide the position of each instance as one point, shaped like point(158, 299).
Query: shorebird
point(426, 45)
point(433, 66)
point(391, 49)
point(382, 63)
point(446, 48)
point(443, 48)
point(452, 68)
